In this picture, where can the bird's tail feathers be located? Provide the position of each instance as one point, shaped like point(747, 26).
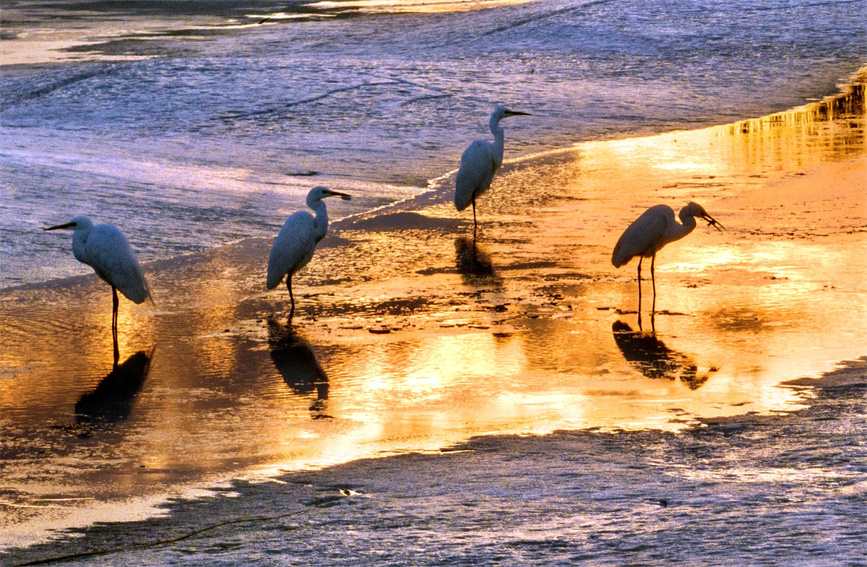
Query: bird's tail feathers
point(615, 257)
point(273, 280)
point(461, 204)
point(148, 294)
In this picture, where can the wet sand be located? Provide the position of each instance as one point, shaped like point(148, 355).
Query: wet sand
point(732, 491)
point(410, 341)
point(64, 31)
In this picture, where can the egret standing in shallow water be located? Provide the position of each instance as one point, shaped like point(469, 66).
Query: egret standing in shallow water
point(647, 234)
point(294, 246)
point(105, 249)
point(479, 162)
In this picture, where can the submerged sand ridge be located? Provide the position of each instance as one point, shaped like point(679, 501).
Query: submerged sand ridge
point(409, 338)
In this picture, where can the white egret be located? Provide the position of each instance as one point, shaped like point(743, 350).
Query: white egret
point(105, 249)
point(647, 234)
point(294, 246)
point(479, 162)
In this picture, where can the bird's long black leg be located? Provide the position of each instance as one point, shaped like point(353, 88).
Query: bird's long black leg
point(653, 279)
point(640, 258)
point(115, 303)
point(291, 297)
point(474, 220)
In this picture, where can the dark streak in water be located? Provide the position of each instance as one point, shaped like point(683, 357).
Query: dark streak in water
point(235, 115)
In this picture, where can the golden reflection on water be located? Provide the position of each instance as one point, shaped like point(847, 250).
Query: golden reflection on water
point(527, 331)
point(413, 6)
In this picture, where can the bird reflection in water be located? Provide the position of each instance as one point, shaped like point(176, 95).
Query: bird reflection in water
point(474, 264)
point(113, 398)
point(297, 363)
point(655, 360)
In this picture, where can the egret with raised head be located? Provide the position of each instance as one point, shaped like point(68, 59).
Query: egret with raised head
point(479, 162)
point(104, 248)
point(295, 244)
point(647, 234)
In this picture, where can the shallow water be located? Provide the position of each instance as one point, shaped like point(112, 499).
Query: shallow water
point(529, 332)
point(787, 488)
point(408, 338)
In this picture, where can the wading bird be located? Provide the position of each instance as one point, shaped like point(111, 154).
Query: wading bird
point(479, 162)
point(294, 246)
point(647, 234)
point(105, 249)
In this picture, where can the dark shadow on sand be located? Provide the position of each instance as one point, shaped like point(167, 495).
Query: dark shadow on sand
point(474, 264)
point(113, 398)
point(651, 357)
point(404, 220)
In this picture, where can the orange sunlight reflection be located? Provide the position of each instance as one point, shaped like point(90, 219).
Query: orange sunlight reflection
point(418, 6)
point(425, 340)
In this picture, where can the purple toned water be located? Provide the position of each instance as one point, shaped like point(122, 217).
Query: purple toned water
point(191, 130)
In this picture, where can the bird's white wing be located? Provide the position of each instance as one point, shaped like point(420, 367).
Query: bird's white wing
point(644, 236)
point(292, 248)
point(112, 258)
point(475, 174)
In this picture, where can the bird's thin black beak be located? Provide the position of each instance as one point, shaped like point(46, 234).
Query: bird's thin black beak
point(713, 222)
point(517, 113)
point(344, 196)
point(60, 226)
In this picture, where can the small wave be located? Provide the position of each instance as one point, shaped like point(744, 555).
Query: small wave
point(17, 93)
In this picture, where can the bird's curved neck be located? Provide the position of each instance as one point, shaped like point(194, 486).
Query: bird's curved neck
point(320, 219)
point(678, 231)
point(79, 244)
point(499, 140)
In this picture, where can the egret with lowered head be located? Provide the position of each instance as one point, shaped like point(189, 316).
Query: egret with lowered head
point(294, 246)
point(647, 234)
point(479, 162)
point(105, 249)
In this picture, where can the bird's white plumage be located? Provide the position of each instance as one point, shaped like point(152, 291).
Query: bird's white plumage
point(478, 166)
point(293, 248)
point(296, 242)
point(480, 161)
point(645, 236)
point(105, 249)
point(655, 228)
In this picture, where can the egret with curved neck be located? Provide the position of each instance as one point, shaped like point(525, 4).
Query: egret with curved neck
point(479, 162)
point(295, 244)
point(647, 235)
